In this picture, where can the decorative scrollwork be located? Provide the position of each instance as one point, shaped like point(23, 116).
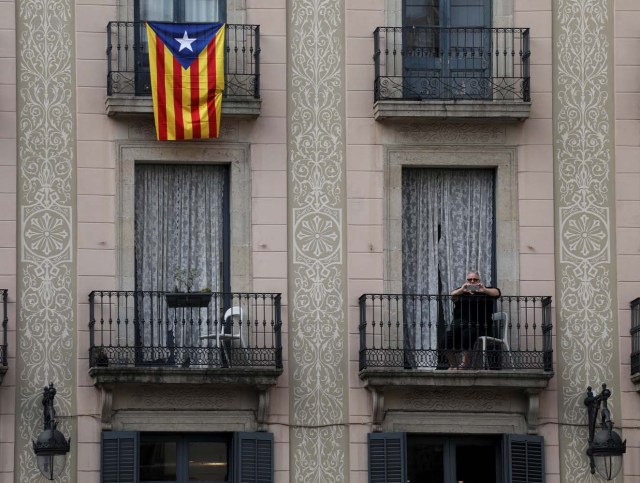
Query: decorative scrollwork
point(46, 157)
point(584, 145)
point(318, 333)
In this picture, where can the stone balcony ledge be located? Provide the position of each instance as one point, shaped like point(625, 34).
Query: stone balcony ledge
point(504, 111)
point(237, 376)
point(524, 384)
point(131, 105)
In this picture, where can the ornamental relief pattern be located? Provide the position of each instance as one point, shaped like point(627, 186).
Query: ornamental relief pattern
point(46, 329)
point(434, 399)
point(584, 145)
point(450, 133)
point(200, 398)
point(317, 198)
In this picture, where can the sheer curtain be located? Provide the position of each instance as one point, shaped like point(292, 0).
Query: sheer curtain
point(448, 229)
point(178, 224)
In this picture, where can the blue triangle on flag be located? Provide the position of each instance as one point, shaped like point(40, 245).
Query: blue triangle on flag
point(185, 40)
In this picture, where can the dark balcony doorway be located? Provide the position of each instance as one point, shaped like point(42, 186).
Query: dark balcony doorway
point(447, 49)
point(448, 459)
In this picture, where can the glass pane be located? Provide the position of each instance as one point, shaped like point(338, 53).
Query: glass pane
point(475, 464)
point(157, 461)
point(204, 10)
point(208, 462)
point(422, 13)
point(425, 461)
point(156, 10)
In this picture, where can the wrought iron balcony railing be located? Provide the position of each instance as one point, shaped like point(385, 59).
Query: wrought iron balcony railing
point(438, 332)
point(433, 63)
point(204, 330)
point(5, 321)
point(128, 61)
point(635, 336)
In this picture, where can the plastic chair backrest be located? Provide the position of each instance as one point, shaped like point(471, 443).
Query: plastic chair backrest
point(504, 318)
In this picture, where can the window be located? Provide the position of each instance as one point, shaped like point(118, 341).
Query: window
point(449, 43)
point(131, 457)
point(395, 457)
point(177, 458)
point(182, 10)
point(447, 228)
point(181, 223)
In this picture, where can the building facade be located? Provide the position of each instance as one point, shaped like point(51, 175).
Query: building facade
point(274, 304)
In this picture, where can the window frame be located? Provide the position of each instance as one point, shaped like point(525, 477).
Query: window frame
point(502, 158)
point(235, 155)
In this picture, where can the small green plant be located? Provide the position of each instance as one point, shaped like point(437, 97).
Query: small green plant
point(185, 278)
point(206, 289)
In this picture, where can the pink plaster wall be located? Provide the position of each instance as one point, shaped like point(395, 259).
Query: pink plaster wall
point(8, 254)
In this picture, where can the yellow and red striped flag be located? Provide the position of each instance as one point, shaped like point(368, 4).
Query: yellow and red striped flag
point(187, 78)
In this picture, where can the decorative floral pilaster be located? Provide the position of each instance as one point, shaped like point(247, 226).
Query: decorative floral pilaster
point(587, 345)
point(46, 322)
point(317, 198)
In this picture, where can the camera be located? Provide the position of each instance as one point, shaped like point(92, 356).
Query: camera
point(472, 288)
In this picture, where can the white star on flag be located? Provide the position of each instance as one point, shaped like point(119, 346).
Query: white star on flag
point(185, 42)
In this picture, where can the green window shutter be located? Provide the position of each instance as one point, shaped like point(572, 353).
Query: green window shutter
point(253, 457)
point(387, 457)
point(119, 457)
point(524, 458)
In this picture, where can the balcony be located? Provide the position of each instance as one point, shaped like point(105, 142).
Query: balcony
point(128, 78)
point(190, 338)
point(452, 73)
point(635, 342)
point(404, 344)
point(3, 342)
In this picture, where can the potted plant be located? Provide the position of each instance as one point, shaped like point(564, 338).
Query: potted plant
point(182, 296)
point(102, 360)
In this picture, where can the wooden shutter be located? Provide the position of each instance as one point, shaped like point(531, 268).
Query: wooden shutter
point(119, 457)
point(387, 457)
point(524, 458)
point(253, 457)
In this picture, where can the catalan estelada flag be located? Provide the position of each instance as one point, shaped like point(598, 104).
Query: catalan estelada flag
point(187, 78)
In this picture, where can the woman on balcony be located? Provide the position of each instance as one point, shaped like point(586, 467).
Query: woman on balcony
point(473, 305)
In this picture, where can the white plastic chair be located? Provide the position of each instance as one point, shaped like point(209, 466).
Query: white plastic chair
point(499, 317)
point(236, 323)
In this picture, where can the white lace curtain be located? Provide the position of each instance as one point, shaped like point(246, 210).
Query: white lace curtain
point(448, 229)
point(178, 224)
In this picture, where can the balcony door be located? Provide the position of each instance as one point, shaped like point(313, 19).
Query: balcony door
point(181, 227)
point(447, 49)
point(448, 229)
point(169, 11)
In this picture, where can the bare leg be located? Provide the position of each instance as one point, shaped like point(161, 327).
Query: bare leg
point(466, 360)
point(451, 359)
